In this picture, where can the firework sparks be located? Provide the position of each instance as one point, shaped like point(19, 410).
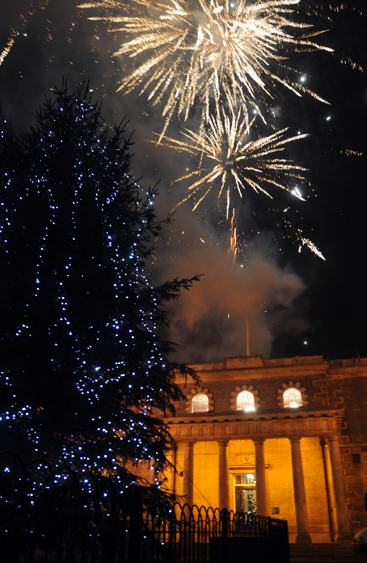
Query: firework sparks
point(23, 20)
point(6, 50)
point(303, 241)
point(233, 238)
point(227, 158)
point(184, 51)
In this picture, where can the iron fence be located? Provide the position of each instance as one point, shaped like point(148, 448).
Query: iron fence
point(59, 516)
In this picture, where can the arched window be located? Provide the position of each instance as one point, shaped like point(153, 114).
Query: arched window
point(245, 401)
point(200, 403)
point(292, 398)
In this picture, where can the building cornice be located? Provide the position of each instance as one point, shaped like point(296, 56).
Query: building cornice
point(325, 422)
point(256, 367)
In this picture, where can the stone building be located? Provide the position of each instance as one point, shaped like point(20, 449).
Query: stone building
point(288, 436)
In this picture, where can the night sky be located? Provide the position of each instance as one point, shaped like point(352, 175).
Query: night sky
point(295, 303)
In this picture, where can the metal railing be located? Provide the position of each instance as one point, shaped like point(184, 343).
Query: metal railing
point(59, 516)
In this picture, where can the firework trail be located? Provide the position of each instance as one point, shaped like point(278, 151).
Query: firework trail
point(23, 20)
point(303, 241)
point(231, 161)
point(233, 238)
point(9, 45)
point(184, 51)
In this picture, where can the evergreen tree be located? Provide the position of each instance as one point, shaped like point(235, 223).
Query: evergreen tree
point(83, 370)
point(252, 509)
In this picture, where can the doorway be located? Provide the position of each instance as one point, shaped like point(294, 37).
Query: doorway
point(245, 492)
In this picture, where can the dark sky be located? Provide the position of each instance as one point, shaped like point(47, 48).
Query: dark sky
point(296, 303)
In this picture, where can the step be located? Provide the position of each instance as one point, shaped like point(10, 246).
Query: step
point(323, 551)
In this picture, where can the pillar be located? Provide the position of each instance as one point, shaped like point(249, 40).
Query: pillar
point(188, 473)
point(170, 472)
point(261, 494)
point(342, 515)
point(299, 492)
point(223, 475)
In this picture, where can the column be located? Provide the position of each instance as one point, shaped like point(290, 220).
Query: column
point(188, 474)
point(299, 492)
point(342, 515)
point(223, 475)
point(261, 494)
point(170, 472)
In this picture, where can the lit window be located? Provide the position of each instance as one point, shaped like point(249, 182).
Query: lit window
point(200, 403)
point(292, 398)
point(245, 401)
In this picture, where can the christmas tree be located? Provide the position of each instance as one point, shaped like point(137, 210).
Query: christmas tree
point(252, 509)
point(83, 371)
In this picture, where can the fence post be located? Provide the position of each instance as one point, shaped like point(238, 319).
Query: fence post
point(225, 528)
point(278, 541)
point(135, 546)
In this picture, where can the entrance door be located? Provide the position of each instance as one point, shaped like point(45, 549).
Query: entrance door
point(245, 492)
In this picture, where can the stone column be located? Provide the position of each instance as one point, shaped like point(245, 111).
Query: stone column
point(342, 515)
point(223, 475)
point(170, 473)
point(299, 492)
point(188, 474)
point(261, 495)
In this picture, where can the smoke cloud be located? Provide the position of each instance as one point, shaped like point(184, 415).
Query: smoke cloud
point(209, 322)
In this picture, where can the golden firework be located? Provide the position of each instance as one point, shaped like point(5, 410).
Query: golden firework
point(6, 49)
point(184, 51)
point(233, 238)
point(229, 160)
point(303, 241)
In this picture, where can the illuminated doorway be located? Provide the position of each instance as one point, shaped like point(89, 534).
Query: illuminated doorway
point(245, 492)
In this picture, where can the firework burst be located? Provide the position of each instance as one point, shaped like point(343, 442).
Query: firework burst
point(183, 51)
point(230, 161)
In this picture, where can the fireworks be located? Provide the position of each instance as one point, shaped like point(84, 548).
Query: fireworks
point(233, 238)
point(200, 50)
point(219, 56)
point(231, 161)
point(7, 48)
point(303, 241)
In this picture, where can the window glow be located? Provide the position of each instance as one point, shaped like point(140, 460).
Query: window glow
point(200, 403)
point(245, 401)
point(292, 398)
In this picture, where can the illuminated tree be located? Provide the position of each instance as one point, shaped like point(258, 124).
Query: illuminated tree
point(82, 367)
point(252, 509)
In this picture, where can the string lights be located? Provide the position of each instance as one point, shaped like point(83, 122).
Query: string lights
point(83, 370)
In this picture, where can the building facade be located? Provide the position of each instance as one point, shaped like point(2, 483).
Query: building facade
point(284, 437)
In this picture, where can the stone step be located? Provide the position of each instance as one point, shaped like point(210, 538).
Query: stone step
point(323, 552)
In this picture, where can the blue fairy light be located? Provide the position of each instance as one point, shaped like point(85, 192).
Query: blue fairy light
point(80, 319)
